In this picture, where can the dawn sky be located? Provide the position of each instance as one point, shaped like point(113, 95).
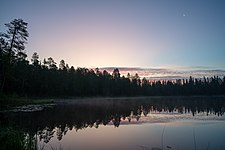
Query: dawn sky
point(123, 33)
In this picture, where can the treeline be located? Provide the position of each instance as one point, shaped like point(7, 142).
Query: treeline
point(21, 77)
point(44, 80)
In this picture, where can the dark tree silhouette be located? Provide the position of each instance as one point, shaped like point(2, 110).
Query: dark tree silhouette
point(20, 77)
point(116, 73)
point(16, 37)
point(12, 49)
point(35, 59)
point(62, 65)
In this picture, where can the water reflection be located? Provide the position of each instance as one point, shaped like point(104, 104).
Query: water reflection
point(76, 115)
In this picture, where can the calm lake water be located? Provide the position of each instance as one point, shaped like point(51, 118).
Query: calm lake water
point(153, 123)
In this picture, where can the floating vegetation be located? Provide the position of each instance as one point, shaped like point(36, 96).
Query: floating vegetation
point(31, 108)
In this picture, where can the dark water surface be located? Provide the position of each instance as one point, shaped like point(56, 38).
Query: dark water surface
point(179, 123)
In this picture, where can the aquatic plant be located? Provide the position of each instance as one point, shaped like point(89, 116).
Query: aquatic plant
point(12, 138)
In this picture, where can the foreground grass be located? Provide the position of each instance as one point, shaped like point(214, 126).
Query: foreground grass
point(12, 138)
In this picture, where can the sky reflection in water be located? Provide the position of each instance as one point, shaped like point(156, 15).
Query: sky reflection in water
point(177, 135)
point(127, 123)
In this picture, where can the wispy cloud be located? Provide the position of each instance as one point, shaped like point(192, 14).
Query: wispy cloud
point(169, 74)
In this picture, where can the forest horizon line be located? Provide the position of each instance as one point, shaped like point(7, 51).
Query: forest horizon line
point(45, 78)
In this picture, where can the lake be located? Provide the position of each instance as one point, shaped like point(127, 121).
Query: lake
point(142, 123)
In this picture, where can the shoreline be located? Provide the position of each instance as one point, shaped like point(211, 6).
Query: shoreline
point(10, 102)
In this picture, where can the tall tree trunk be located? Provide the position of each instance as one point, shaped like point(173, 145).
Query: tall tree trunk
point(11, 46)
point(6, 66)
point(2, 69)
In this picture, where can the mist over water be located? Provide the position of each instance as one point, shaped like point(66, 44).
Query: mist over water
point(135, 123)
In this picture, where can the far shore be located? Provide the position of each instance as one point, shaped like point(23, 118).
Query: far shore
point(98, 99)
point(9, 102)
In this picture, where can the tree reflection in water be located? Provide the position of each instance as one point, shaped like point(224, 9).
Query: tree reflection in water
point(80, 114)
